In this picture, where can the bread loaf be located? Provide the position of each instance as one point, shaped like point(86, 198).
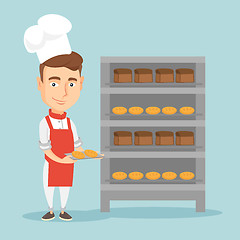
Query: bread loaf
point(143, 138)
point(184, 75)
point(164, 75)
point(122, 75)
point(164, 138)
point(143, 75)
point(122, 138)
point(184, 138)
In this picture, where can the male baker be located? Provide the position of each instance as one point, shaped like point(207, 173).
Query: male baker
point(60, 83)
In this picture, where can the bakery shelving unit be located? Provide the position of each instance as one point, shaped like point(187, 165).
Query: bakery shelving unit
point(152, 158)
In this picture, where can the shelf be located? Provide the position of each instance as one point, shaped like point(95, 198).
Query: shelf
point(153, 123)
point(159, 181)
point(155, 148)
point(147, 89)
point(160, 116)
point(155, 115)
point(155, 154)
point(152, 59)
point(152, 187)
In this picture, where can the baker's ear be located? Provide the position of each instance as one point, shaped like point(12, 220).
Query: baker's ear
point(81, 80)
point(39, 83)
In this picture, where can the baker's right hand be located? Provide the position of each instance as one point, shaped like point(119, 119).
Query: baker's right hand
point(68, 160)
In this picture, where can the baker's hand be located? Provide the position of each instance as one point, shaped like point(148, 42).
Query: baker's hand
point(80, 149)
point(68, 160)
point(100, 157)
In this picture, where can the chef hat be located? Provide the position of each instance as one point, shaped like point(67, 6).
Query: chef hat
point(49, 38)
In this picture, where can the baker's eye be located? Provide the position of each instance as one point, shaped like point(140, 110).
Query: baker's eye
point(53, 84)
point(72, 84)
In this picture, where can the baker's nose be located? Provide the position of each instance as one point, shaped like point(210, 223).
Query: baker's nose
point(65, 90)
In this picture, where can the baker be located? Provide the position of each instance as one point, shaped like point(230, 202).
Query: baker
point(60, 83)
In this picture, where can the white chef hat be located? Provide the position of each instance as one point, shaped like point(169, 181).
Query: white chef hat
point(49, 38)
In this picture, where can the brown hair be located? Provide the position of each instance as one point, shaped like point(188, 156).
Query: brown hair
point(71, 61)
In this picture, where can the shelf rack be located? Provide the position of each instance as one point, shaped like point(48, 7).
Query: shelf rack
point(142, 158)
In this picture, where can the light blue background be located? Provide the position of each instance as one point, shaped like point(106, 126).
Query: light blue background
point(118, 28)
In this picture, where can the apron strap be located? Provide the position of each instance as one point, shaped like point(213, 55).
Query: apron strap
point(69, 123)
point(49, 122)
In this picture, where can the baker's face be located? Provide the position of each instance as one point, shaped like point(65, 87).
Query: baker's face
point(60, 88)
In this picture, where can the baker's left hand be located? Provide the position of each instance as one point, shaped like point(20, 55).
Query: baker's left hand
point(100, 155)
point(80, 149)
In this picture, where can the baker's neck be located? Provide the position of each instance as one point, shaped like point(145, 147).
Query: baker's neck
point(57, 112)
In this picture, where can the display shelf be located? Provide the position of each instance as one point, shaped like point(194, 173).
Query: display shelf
point(177, 114)
point(132, 86)
point(159, 148)
point(152, 59)
point(159, 181)
point(154, 154)
point(153, 123)
point(159, 116)
point(145, 158)
point(152, 90)
point(153, 187)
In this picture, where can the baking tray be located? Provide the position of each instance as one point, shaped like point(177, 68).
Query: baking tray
point(158, 181)
point(86, 157)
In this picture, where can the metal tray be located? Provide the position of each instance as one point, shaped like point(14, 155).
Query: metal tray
point(86, 157)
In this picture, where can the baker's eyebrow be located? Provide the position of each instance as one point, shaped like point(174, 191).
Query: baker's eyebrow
point(72, 79)
point(55, 78)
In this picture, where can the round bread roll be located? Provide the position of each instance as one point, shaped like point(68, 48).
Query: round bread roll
point(186, 110)
point(90, 153)
point(186, 175)
point(135, 110)
point(135, 175)
point(169, 175)
point(119, 175)
point(119, 110)
point(169, 110)
point(78, 154)
point(152, 110)
point(152, 175)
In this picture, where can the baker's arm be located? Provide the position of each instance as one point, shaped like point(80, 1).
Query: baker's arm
point(77, 140)
point(45, 144)
point(55, 158)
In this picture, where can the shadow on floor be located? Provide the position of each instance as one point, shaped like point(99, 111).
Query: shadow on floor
point(129, 212)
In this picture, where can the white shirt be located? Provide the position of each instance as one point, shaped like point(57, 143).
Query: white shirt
point(44, 132)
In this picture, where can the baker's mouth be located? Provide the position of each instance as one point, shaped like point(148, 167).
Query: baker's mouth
point(59, 101)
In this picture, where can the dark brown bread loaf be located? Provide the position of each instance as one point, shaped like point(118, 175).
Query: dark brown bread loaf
point(164, 138)
point(184, 138)
point(143, 138)
point(143, 75)
point(164, 75)
point(122, 75)
point(184, 75)
point(122, 138)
